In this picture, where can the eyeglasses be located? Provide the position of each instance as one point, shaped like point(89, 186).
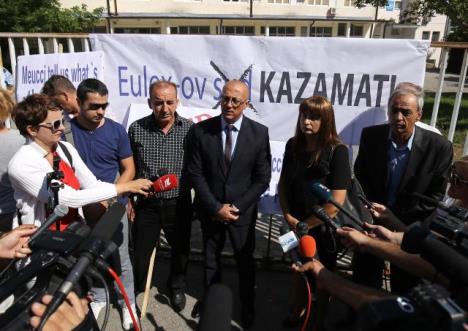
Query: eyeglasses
point(234, 101)
point(96, 106)
point(54, 126)
point(455, 178)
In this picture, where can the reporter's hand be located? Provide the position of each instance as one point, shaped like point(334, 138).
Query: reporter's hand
point(381, 232)
point(130, 212)
point(227, 213)
point(71, 313)
point(138, 186)
point(352, 238)
point(314, 266)
point(13, 244)
point(292, 222)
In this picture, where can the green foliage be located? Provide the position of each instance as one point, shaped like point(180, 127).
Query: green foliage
point(456, 10)
point(374, 3)
point(45, 16)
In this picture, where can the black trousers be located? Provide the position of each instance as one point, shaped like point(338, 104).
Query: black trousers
point(174, 217)
point(243, 242)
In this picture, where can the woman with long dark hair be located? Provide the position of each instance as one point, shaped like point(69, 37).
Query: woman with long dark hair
point(314, 154)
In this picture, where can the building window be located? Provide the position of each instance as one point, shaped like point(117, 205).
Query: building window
point(435, 36)
point(303, 31)
point(318, 2)
point(398, 5)
point(279, 31)
point(190, 29)
point(239, 30)
point(236, 0)
point(138, 30)
point(356, 30)
point(341, 30)
point(278, 1)
point(349, 3)
point(320, 31)
point(426, 35)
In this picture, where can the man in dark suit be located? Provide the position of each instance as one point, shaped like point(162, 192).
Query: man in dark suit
point(395, 160)
point(230, 167)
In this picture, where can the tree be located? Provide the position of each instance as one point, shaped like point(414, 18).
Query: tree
point(376, 4)
point(46, 16)
point(419, 11)
point(455, 10)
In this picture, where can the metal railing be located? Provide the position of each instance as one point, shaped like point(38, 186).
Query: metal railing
point(49, 43)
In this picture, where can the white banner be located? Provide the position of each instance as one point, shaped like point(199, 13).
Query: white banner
point(33, 71)
point(357, 75)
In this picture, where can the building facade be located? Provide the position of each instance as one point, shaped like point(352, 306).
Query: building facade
point(286, 18)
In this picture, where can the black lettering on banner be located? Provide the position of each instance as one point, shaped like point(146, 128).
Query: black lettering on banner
point(306, 75)
point(265, 86)
point(392, 83)
point(347, 88)
point(321, 85)
point(380, 79)
point(363, 91)
point(284, 88)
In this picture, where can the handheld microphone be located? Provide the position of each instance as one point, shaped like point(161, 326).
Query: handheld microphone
point(59, 212)
point(458, 212)
point(324, 194)
point(322, 215)
point(94, 246)
point(302, 228)
point(165, 183)
point(307, 247)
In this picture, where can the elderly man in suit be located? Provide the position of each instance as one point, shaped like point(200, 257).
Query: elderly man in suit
point(395, 160)
point(230, 167)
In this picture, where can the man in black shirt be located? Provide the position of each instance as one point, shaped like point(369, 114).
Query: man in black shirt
point(159, 142)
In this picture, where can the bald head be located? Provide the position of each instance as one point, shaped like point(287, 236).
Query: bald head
point(234, 100)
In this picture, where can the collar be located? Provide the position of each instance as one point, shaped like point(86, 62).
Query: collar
point(36, 147)
point(409, 143)
point(237, 124)
point(177, 121)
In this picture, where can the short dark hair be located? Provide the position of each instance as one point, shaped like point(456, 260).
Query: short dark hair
point(161, 83)
point(33, 111)
point(57, 84)
point(91, 85)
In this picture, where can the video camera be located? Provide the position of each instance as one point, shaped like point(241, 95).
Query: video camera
point(59, 258)
point(429, 306)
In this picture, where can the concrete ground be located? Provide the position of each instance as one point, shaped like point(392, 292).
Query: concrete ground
point(431, 82)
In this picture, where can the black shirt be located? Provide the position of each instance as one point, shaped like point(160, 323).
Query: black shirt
point(299, 173)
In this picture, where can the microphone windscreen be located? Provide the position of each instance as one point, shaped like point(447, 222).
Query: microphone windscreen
point(166, 183)
point(414, 237)
point(307, 247)
point(216, 312)
point(321, 192)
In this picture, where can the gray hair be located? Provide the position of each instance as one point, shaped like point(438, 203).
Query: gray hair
point(407, 88)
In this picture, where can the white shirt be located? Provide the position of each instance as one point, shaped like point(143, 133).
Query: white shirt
point(27, 171)
point(234, 133)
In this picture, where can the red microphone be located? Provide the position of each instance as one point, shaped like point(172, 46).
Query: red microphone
point(307, 247)
point(165, 183)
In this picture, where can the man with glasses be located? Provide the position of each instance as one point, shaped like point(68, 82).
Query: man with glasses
point(159, 145)
point(395, 160)
point(105, 148)
point(230, 167)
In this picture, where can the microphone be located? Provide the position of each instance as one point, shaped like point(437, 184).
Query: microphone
point(322, 215)
point(447, 260)
point(217, 309)
point(307, 247)
point(324, 195)
point(59, 212)
point(302, 228)
point(458, 212)
point(165, 183)
point(93, 247)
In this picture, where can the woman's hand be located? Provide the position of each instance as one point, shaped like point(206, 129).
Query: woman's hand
point(138, 186)
point(314, 266)
point(13, 244)
point(292, 222)
point(71, 313)
point(352, 238)
point(381, 232)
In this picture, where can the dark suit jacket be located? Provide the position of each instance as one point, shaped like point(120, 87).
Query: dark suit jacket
point(247, 177)
point(427, 171)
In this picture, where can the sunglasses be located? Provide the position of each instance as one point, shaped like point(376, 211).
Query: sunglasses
point(96, 106)
point(234, 101)
point(455, 178)
point(54, 126)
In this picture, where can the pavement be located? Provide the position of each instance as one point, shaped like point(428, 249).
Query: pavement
point(273, 277)
point(431, 82)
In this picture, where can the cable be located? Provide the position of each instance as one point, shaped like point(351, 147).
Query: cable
point(309, 304)
point(136, 325)
point(106, 291)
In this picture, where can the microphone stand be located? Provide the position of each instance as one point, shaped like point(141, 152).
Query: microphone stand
point(55, 186)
